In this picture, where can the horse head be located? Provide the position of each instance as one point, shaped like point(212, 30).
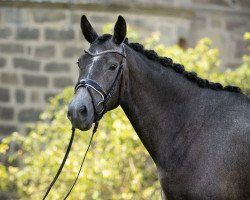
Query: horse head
point(100, 75)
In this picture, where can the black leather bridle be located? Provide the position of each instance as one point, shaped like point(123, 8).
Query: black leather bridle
point(94, 86)
point(91, 85)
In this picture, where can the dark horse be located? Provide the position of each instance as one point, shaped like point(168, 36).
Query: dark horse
point(196, 131)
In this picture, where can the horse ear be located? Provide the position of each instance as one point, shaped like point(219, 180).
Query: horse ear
point(87, 30)
point(120, 30)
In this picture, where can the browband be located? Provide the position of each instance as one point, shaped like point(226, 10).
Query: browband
point(104, 52)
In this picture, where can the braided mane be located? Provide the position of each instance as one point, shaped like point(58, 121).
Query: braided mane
point(168, 62)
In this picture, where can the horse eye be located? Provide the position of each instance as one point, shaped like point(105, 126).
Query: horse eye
point(78, 63)
point(113, 67)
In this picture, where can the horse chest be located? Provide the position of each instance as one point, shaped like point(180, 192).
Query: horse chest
point(181, 186)
point(181, 189)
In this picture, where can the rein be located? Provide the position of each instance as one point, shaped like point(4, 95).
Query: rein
point(90, 84)
point(64, 160)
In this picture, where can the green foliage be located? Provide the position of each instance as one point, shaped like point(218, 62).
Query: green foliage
point(114, 167)
point(117, 165)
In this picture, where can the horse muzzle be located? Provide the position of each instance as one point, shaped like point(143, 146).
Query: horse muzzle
point(80, 110)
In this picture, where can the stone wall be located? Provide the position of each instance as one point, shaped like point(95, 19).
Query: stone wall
point(40, 42)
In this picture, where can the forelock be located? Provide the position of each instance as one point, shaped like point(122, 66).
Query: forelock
point(103, 38)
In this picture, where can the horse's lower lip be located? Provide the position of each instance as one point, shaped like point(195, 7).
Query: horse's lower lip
point(87, 127)
point(83, 126)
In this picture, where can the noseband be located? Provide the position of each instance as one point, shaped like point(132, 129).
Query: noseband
point(91, 84)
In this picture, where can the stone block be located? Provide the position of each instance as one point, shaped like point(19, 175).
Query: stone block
point(7, 129)
point(62, 82)
point(57, 67)
point(14, 16)
point(29, 115)
point(199, 23)
point(233, 65)
point(4, 95)
point(241, 48)
point(216, 22)
point(103, 19)
point(6, 113)
point(9, 78)
point(5, 32)
point(45, 51)
point(11, 48)
point(20, 96)
point(26, 64)
point(59, 35)
point(35, 96)
point(27, 33)
point(2, 62)
point(182, 31)
point(235, 24)
point(35, 80)
point(75, 18)
point(70, 52)
point(244, 3)
point(42, 16)
point(214, 2)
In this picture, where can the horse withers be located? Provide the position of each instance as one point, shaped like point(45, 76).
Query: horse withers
point(196, 131)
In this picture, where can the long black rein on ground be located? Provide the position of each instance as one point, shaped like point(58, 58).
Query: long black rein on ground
point(95, 86)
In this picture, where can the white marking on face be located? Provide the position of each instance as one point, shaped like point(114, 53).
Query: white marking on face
point(94, 59)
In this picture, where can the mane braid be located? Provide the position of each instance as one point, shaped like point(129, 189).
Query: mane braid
point(168, 62)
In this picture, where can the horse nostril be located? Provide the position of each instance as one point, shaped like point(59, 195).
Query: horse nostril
point(83, 111)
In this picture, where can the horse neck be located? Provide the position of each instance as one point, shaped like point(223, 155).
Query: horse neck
point(155, 100)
